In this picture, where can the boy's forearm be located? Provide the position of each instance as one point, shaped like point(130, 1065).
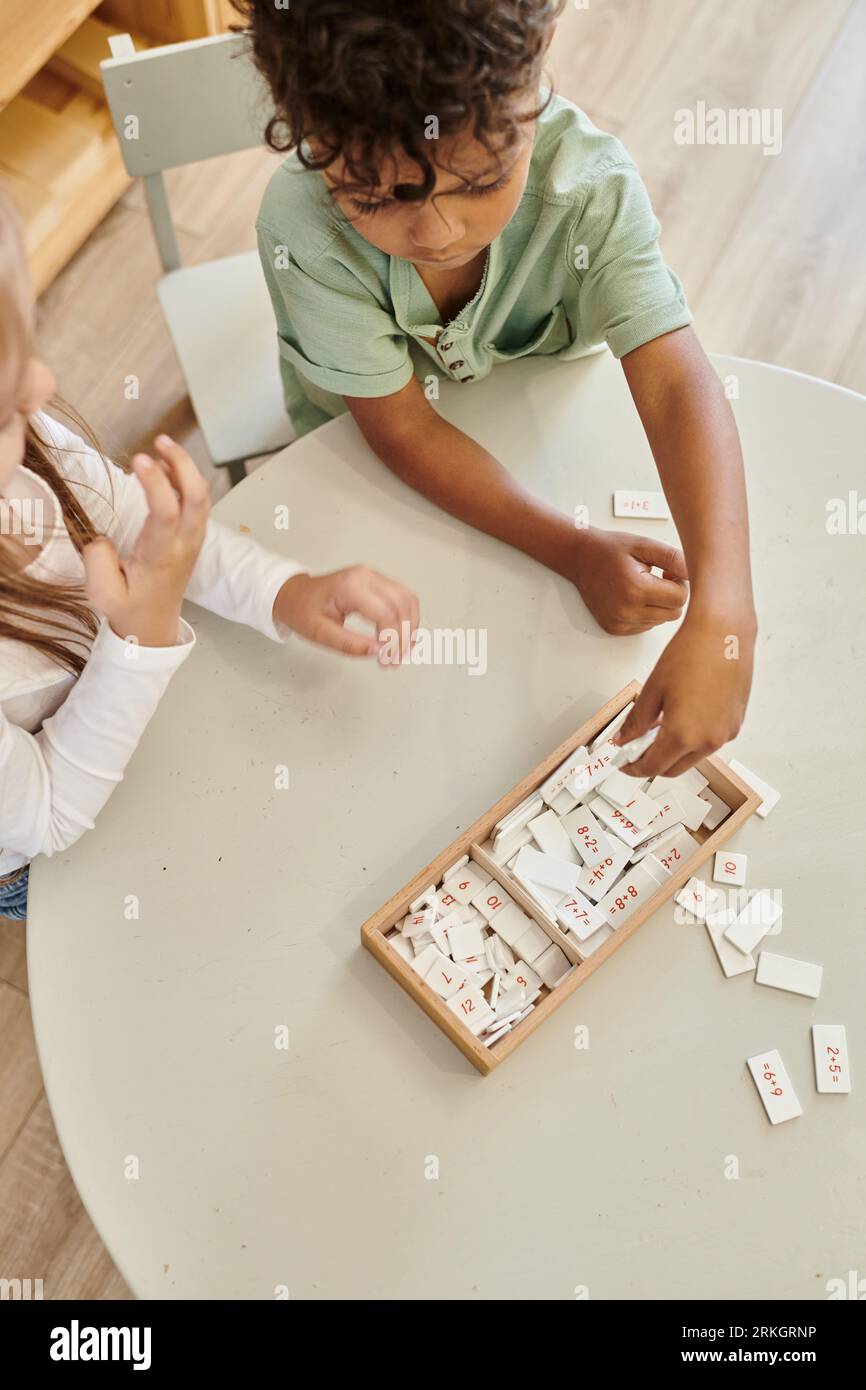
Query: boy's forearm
point(451, 469)
point(693, 436)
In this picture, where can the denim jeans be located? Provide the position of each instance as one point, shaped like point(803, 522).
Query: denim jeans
point(13, 896)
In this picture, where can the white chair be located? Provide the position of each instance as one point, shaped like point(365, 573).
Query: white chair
point(175, 105)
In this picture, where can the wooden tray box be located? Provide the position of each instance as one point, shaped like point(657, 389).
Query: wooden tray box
point(725, 783)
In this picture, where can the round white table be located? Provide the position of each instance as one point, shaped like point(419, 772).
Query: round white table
point(218, 1165)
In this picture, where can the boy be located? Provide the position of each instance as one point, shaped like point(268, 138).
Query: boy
point(440, 214)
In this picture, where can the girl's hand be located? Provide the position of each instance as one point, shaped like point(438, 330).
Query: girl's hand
point(317, 608)
point(698, 690)
point(142, 593)
point(611, 570)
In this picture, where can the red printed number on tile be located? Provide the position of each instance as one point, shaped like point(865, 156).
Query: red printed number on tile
point(771, 1076)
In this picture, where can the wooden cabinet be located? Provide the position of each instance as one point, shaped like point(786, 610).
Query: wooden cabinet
point(58, 152)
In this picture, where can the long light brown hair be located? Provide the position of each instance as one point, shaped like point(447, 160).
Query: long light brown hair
point(55, 618)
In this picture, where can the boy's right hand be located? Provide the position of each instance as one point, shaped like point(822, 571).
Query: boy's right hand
point(611, 570)
point(141, 594)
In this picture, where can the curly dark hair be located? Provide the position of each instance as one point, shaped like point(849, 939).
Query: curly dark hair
point(362, 77)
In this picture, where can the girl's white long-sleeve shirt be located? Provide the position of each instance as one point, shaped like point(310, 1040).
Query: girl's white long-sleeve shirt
point(65, 743)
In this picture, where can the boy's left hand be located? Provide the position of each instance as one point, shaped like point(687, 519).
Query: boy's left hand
point(698, 690)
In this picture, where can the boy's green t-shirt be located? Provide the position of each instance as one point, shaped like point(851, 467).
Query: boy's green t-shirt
point(577, 265)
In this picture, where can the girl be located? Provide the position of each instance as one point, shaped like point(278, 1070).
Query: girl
point(94, 566)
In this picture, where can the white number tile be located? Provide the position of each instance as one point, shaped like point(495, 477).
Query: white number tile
point(532, 944)
point(579, 916)
point(718, 809)
point(649, 505)
point(612, 728)
point(692, 808)
point(770, 795)
point(532, 806)
point(618, 821)
point(402, 945)
point(625, 793)
point(491, 899)
point(511, 923)
point(774, 1087)
point(783, 972)
point(555, 783)
point(586, 834)
point(465, 939)
point(546, 870)
point(446, 978)
point(674, 854)
point(699, 899)
point(551, 838)
point(594, 882)
point(511, 1001)
point(470, 1006)
point(500, 957)
point(753, 922)
point(692, 780)
point(656, 843)
point(625, 897)
point(546, 899)
point(524, 976)
point(552, 965)
point(465, 884)
point(439, 937)
point(506, 848)
point(446, 901)
point(832, 1069)
point(732, 961)
point(601, 763)
point(563, 802)
point(423, 963)
point(417, 924)
point(730, 868)
point(586, 948)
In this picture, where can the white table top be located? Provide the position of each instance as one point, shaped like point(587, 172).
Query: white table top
point(604, 1167)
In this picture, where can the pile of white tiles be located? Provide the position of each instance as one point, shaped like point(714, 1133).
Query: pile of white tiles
point(479, 951)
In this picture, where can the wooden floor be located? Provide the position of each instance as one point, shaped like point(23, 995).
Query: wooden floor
point(772, 253)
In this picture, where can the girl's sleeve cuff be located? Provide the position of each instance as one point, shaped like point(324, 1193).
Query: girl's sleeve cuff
point(126, 653)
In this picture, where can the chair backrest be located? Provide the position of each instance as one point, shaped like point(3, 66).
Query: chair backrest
point(184, 102)
point(178, 104)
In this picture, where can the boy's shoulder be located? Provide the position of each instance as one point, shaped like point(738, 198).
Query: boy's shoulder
point(296, 208)
point(571, 153)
